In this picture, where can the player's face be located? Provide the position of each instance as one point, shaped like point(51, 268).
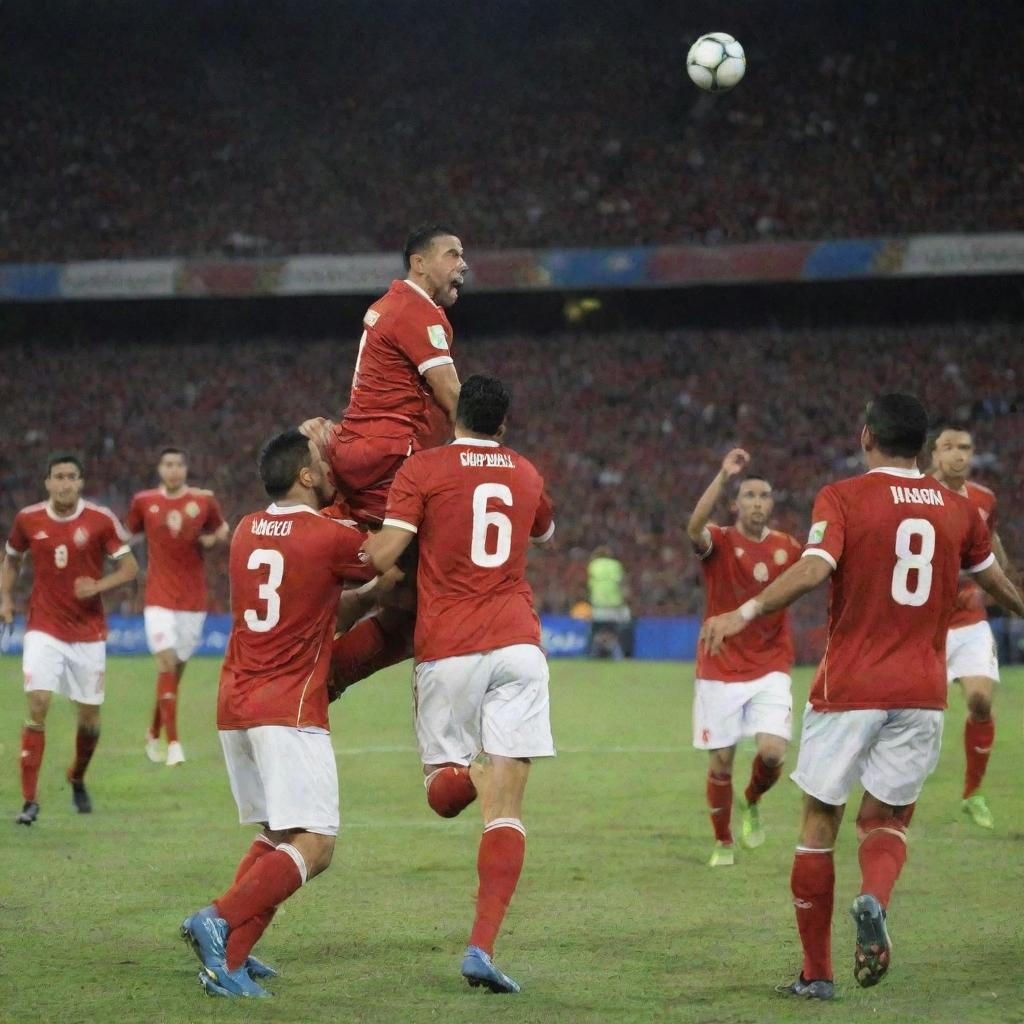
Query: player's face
point(173, 471)
point(444, 268)
point(64, 484)
point(952, 453)
point(754, 505)
point(321, 482)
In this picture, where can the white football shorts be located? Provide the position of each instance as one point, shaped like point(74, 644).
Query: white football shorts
point(971, 651)
point(889, 751)
point(168, 630)
point(723, 713)
point(284, 777)
point(496, 701)
point(73, 669)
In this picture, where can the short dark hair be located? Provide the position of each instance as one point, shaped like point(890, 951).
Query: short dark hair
point(61, 457)
point(755, 476)
point(942, 426)
point(483, 404)
point(420, 238)
point(899, 423)
point(281, 459)
point(174, 451)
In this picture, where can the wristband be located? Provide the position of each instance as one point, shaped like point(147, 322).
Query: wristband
point(750, 609)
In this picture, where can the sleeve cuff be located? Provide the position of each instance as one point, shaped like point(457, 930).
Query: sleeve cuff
point(121, 551)
point(821, 553)
point(546, 535)
point(13, 551)
point(431, 363)
point(982, 566)
point(402, 525)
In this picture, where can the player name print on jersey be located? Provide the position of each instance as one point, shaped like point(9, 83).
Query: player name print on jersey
point(916, 495)
point(270, 528)
point(487, 460)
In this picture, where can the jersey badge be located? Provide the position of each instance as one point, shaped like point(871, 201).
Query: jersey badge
point(781, 556)
point(41, 535)
point(761, 572)
point(817, 534)
point(81, 537)
point(435, 332)
point(740, 552)
point(192, 509)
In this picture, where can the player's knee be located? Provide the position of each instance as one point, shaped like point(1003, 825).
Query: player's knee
point(450, 790)
point(979, 707)
point(894, 824)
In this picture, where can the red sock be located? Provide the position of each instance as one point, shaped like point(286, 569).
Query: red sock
point(883, 851)
point(268, 882)
point(978, 740)
point(33, 741)
point(85, 745)
point(762, 778)
point(813, 883)
point(719, 793)
point(242, 939)
point(498, 865)
point(167, 699)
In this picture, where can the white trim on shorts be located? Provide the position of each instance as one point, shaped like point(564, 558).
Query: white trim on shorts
point(75, 670)
point(889, 751)
point(168, 629)
point(282, 777)
point(724, 713)
point(494, 701)
point(971, 651)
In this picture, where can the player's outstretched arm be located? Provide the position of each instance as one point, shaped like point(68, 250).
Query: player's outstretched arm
point(385, 547)
point(444, 382)
point(735, 462)
point(996, 583)
point(127, 569)
point(219, 536)
point(799, 579)
point(8, 577)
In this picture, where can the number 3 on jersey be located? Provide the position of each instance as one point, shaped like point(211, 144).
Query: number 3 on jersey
point(483, 520)
point(906, 560)
point(274, 561)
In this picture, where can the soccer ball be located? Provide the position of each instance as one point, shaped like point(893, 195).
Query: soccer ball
point(716, 62)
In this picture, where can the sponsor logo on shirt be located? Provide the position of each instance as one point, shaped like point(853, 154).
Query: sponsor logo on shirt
point(437, 337)
point(915, 496)
point(372, 316)
point(154, 508)
point(271, 527)
point(41, 535)
point(488, 459)
point(817, 534)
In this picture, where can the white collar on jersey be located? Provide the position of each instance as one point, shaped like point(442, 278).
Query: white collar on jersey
point(478, 442)
point(909, 474)
point(273, 509)
point(416, 288)
point(79, 509)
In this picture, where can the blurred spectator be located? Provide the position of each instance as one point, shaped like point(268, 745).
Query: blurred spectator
point(610, 622)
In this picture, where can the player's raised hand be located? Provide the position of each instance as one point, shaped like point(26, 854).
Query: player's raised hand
point(718, 629)
point(735, 462)
point(86, 587)
point(318, 430)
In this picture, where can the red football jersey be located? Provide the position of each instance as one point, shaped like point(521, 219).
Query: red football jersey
point(287, 565)
point(735, 570)
point(475, 505)
point(405, 334)
point(897, 540)
point(62, 550)
point(174, 574)
point(970, 598)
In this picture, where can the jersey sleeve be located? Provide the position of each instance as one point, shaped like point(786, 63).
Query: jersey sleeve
point(828, 527)
point(705, 551)
point(406, 498)
point(115, 537)
point(543, 528)
point(214, 517)
point(976, 553)
point(134, 521)
point(422, 340)
point(345, 561)
point(17, 542)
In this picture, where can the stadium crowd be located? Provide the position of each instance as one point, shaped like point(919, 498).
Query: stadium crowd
point(170, 131)
point(628, 427)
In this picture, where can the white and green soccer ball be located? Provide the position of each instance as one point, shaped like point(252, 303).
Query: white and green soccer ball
point(716, 62)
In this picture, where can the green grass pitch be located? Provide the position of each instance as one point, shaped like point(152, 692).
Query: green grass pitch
point(616, 919)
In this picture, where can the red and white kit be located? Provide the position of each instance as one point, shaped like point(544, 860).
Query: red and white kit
point(897, 541)
point(287, 565)
point(175, 601)
point(392, 412)
point(970, 645)
point(64, 643)
point(481, 677)
point(745, 688)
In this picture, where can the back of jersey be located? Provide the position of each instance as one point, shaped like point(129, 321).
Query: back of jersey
point(286, 568)
point(897, 541)
point(475, 505)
